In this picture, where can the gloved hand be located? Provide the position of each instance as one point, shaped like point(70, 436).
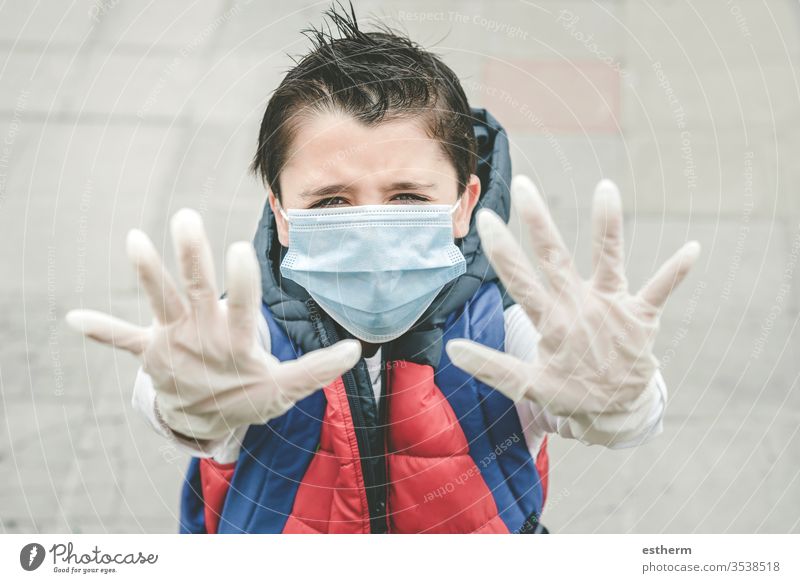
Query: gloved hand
point(595, 355)
point(208, 369)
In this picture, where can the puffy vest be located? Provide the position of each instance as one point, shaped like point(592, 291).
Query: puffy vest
point(446, 455)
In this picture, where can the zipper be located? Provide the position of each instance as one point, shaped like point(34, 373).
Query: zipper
point(374, 486)
point(383, 420)
point(372, 468)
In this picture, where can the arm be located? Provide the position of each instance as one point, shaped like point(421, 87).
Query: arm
point(208, 369)
point(590, 367)
point(615, 431)
point(622, 430)
point(144, 401)
point(224, 449)
point(611, 430)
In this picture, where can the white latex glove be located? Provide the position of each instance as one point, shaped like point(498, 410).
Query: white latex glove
point(595, 356)
point(209, 371)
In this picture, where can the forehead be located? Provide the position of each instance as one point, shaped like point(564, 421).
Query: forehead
point(332, 147)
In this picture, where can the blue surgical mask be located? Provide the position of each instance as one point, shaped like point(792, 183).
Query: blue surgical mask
point(374, 269)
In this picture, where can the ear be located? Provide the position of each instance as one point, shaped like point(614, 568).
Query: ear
point(280, 222)
point(469, 198)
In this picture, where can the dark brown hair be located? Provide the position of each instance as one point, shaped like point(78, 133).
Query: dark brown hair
point(372, 76)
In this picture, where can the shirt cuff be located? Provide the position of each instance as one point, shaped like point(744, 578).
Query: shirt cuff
point(223, 450)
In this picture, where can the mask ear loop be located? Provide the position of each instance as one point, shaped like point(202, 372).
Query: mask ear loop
point(454, 208)
point(280, 210)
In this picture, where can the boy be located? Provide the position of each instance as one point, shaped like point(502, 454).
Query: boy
point(377, 286)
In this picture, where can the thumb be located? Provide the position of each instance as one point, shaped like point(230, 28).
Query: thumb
point(497, 369)
point(109, 330)
point(307, 374)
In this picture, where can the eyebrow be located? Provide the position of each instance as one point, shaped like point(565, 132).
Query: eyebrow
point(332, 189)
point(328, 190)
point(407, 185)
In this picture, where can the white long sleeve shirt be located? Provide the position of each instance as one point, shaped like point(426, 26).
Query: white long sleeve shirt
point(611, 430)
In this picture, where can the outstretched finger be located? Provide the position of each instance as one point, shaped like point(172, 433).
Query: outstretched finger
point(658, 288)
point(109, 330)
point(244, 287)
point(511, 264)
point(309, 373)
point(607, 238)
point(545, 236)
point(157, 283)
point(196, 262)
point(497, 369)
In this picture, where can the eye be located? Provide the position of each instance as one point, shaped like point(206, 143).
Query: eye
point(330, 201)
point(408, 196)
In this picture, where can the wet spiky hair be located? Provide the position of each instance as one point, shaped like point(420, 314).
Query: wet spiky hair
point(372, 76)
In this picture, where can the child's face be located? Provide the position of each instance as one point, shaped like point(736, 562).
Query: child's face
point(337, 161)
